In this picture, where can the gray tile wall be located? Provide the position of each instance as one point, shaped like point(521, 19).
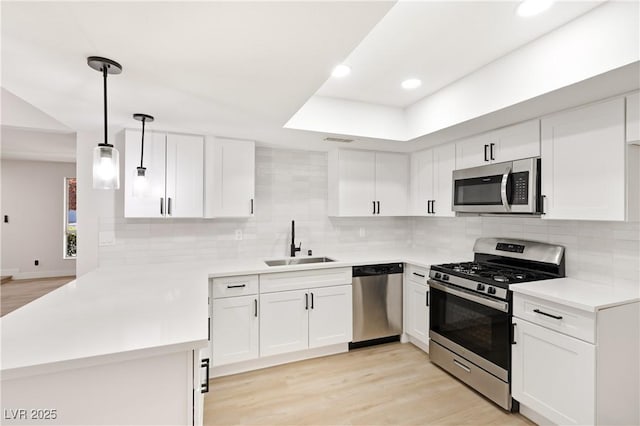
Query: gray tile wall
point(605, 252)
point(293, 185)
point(289, 185)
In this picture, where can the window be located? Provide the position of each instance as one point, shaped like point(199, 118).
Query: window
point(70, 231)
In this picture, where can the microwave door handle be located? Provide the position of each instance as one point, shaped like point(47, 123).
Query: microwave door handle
point(503, 189)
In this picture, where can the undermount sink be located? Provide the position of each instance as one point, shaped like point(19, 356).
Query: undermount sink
point(297, 261)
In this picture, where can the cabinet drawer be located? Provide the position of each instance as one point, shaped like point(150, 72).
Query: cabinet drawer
point(240, 285)
point(300, 280)
point(417, 274)
point(570, 321)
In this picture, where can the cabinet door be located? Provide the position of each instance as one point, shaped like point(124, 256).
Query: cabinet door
point(517, 142)
point(444, 162)
point(583, 163)
point(284, 322)
point(229, 178)
point(234, 331)
point(418, 312)
point(633, 118)
point(421, 182)
point(553, 374)
point(149, 200)
point(356, 183)
point(474, 151)
point(185, 177)
point(391, 183)
point(330, 316)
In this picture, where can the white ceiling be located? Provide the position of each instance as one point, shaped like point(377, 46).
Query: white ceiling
point(439, 42)
point(243, 69)
point(238, 69)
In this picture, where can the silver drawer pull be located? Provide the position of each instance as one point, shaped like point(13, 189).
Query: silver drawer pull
point(237, 286)
point(538, 311)
point(464, 367)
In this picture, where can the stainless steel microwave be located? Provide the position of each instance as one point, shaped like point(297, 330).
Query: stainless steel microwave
point(511, 187)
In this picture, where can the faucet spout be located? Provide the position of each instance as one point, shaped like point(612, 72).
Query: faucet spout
point(293, 247)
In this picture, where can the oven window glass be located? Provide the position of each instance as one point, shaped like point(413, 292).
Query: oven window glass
point(478, 328)
point(479, 191)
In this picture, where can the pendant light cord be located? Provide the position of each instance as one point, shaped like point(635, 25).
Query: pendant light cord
point(104, 75)
point(142, 148)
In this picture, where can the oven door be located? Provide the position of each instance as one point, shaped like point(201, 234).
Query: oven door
point(473, 326)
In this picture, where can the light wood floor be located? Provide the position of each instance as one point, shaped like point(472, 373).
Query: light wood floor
point(17, 293)
point(390, 384)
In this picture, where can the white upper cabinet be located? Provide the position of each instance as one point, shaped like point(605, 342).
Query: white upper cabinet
point(367, 183)
point(507, 144)
point(431, 181)
point(150, 201)
point(185, 175)
point(391, 183)
point(633, 118)
point(229, 178)
point(174, 175)
point(583, 163)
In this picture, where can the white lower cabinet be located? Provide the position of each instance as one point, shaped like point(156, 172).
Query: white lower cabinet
point(284, 322)
point(418, 312)
point(301, 319)
point(553, 374)
point(234, 331)
point(577, 367)
point(416, 305)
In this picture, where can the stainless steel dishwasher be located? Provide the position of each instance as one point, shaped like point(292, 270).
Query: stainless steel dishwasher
point(377, 303)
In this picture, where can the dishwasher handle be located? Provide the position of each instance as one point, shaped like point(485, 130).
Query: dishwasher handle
point(382, 269)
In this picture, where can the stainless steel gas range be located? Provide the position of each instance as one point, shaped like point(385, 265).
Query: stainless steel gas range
point(470, 310)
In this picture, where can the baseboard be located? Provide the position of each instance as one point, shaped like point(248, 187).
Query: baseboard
point(41, 274)
point(273, 360)
point(418, 343)
point(538, 419)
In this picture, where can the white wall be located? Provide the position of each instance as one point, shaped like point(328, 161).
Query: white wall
point(33, 197)
point(289, 185)
point(603, 252)
point(21, 144)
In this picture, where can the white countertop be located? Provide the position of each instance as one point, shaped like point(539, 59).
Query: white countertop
point(583, 295)
point(137, 311)
point(133, 311)
point(106, 313)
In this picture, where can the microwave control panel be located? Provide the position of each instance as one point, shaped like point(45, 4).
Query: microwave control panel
point(520, 188)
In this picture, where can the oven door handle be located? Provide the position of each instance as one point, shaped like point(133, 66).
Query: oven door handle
point(503, 189)
point(490, 303)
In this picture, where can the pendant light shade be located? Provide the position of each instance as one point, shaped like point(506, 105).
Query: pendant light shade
point(106, 159)
point(140, 184)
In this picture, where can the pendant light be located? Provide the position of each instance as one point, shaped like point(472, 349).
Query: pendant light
point(106, 160)
point(140, 183)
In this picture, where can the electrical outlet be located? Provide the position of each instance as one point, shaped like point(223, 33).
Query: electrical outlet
point(362, 232)
point(36, 262)
point(238, 234)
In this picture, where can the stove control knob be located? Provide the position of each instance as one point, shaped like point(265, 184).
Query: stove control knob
point(480, 287)
point(445, 277)
point(438, 275)
point(491, 290)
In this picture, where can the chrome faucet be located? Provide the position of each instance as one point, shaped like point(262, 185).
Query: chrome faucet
point(294, 249)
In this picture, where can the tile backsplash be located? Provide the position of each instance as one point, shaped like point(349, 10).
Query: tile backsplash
point(605, 252)
point(292, 185)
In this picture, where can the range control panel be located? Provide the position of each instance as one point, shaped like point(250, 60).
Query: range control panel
point(512, 248)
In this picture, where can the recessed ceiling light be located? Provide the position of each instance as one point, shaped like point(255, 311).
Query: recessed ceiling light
point(341, 71)
point(412, 83)
point(533, 7)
